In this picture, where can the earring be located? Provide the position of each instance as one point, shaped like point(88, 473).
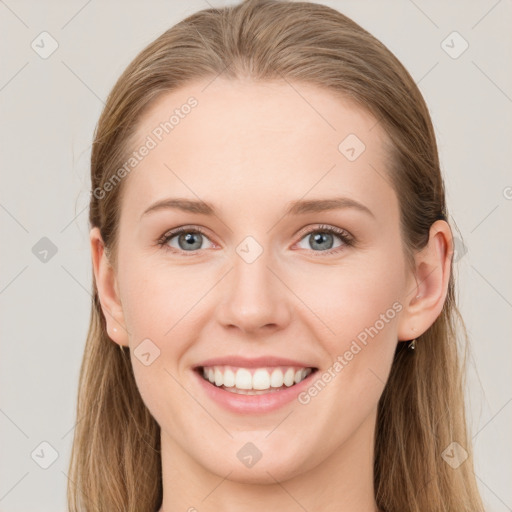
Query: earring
point(114, 329)
point(412, 344)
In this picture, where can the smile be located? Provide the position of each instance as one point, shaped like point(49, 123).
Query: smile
point(253, 390)
point(252, 381)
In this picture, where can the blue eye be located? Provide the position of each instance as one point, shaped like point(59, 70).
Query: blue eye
point(321, 239)
point(188, 239)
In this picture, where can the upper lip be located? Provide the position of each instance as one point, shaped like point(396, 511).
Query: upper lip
point(254, 362)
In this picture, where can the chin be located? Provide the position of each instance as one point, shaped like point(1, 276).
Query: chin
point(267, 470)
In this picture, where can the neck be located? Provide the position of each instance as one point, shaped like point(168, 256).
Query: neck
point(342, 482)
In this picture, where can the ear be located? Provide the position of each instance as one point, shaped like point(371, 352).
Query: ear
point(108, 291)
point(427, 287)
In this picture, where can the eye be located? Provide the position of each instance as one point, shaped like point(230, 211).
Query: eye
point(322, 239)
point(188, 239)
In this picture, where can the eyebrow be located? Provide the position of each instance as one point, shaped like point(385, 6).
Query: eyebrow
point(298, 207)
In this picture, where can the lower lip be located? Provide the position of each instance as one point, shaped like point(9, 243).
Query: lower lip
point(266, 402)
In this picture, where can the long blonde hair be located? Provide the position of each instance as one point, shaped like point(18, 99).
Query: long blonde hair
point(115, 463)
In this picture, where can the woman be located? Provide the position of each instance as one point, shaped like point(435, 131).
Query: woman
point(274, 318)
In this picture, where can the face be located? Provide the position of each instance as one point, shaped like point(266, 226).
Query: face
point(291, 260)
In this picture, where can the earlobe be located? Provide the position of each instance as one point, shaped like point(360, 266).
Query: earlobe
point(108, 291)
point(424, 299)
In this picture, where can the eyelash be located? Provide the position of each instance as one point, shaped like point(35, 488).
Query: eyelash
point(347, 239)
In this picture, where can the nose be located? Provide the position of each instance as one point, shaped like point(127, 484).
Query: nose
point(254, 298)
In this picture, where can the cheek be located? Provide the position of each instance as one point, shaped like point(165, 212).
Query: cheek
point(350, 299)
point(155, 306)
point(158, 299)
point(361, 307)
point(162, 306)
point(158, 315)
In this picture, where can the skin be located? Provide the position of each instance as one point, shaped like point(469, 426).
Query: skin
point(250, 149)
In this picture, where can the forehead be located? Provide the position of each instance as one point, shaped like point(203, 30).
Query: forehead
point(256, 141)
point(255, 113)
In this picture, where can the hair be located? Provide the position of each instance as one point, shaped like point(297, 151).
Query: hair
point(115, 462)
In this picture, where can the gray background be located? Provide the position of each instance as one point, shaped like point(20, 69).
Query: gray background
point(49, 108)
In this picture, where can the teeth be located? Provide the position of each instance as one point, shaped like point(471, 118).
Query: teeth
point(289, 377)
point(229, 378)
point(258, 379)
point(276, 379)
point(243, 379)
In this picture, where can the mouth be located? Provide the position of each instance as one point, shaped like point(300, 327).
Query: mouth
point(253, 390)
point(254, 381)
